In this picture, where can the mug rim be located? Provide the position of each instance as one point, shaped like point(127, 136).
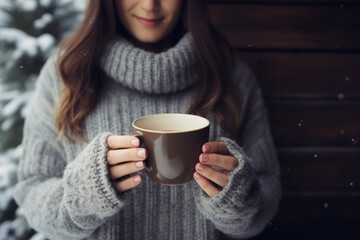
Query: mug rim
point(169, 132)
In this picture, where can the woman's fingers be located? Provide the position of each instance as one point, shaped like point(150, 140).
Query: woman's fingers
point(226, 162)
point(121, 170)
point(124, 155)
point(207, 186)
point(215, 147)
point(122, 141)
point(128, 183)
point(219, 178)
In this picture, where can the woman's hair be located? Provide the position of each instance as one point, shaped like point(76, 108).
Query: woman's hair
point(81, 75)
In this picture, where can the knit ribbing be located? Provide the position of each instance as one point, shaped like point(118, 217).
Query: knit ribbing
point(165, 72)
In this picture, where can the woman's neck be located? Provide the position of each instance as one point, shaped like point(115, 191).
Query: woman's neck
point(157, 47)
point(164, 44)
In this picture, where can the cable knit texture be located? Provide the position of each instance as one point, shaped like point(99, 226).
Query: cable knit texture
point(166, 72)
point(64, 187)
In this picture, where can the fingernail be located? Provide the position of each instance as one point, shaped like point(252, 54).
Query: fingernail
point(139, 164)
point(135, 142)
point(141, 153)
point(204, 158)
point(196, 175)
point(201, 167)
point(137, 179)
point(205, 148)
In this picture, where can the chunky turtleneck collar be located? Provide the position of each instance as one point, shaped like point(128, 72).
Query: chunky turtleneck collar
point(166, 72)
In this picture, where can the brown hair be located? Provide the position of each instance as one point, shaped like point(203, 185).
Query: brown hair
point(81, 75)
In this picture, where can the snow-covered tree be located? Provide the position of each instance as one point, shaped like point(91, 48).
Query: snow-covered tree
point(29, 33)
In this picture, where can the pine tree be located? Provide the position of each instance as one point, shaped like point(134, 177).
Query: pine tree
point(29, 33)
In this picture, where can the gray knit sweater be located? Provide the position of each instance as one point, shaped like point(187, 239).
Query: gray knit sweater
point(64, 187)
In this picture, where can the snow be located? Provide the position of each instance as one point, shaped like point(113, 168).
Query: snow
point(46, 42)
point(45, 3)
point(5, 198)
point(43, 21)
point(19, 226)
point(8, 95)
point(38, 236)
point(25, 110)
point(15, 104)
point(28, 5)
point(5, 4)
point(341, 96)
point(80, 5)
point(4, 17)
point(7, 124)
point(18, 102)
point(16, 229)
point(5, 228)
point(8, 168)
point(26, 44)
point(18, 47)
point(11, 34)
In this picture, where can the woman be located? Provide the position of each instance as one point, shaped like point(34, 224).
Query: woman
point(80, 175)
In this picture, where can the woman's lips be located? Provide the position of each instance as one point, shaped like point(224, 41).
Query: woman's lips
point(149, 22)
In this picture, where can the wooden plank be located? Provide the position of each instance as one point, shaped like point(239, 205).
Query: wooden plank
point(306, 123)
point(296, 74)
point(328, 235)
point(288, 27)
point(327, 2)
point(323, 168)
point(315, 217)
point(316, 213)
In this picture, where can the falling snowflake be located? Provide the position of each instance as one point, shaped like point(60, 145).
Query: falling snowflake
point(341, 96)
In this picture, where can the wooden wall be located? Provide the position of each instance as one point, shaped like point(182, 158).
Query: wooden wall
point(306, 55)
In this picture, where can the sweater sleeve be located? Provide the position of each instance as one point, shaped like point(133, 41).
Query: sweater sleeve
point(60, 200)
point(250, 199)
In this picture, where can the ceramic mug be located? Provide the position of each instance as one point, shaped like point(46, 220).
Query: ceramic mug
point(173, 142)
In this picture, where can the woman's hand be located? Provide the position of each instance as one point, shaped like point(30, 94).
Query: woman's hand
point(215, 165)
point(123, 158)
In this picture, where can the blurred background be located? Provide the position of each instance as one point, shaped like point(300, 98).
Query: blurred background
point(306, 55)
point(29, 33)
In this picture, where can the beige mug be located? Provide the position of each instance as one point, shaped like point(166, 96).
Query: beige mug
point(173, 142)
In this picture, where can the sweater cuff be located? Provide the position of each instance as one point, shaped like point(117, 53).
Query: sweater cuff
point(240, 184)
point(87, 188)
